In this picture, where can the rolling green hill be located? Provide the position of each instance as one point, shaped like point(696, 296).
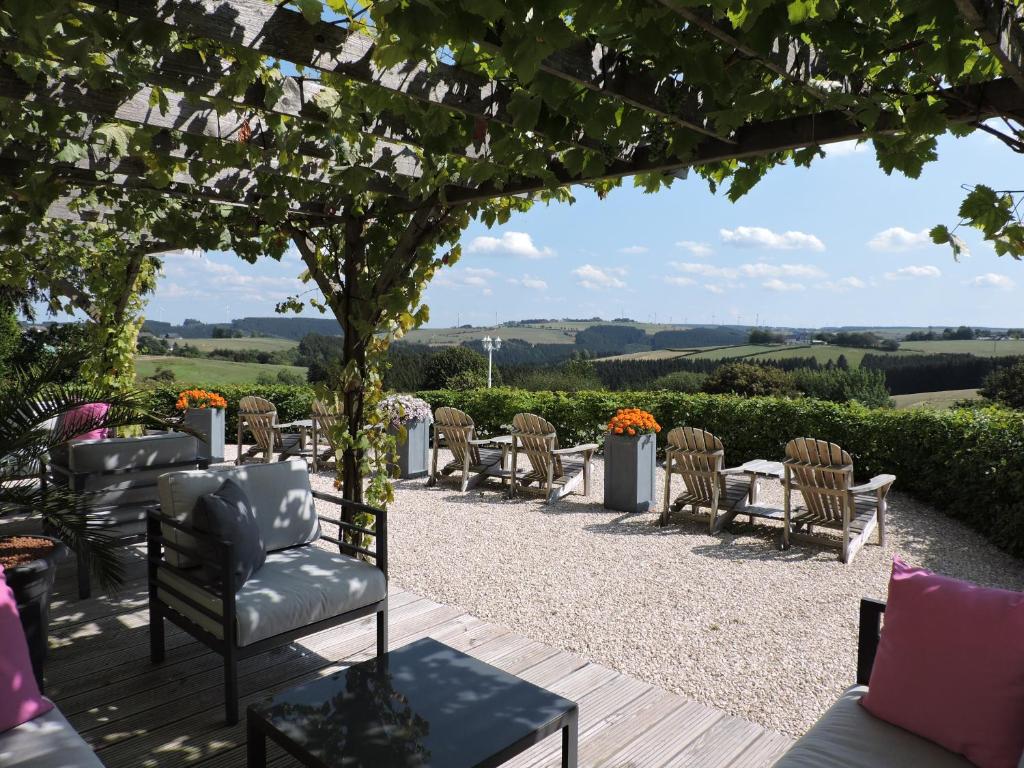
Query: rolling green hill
point(202, 371)
point(259, 344)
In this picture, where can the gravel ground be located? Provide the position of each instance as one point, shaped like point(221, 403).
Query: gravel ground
point(726, 620)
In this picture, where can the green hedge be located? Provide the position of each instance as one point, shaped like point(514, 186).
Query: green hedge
point(967, 463)
point(293, 401)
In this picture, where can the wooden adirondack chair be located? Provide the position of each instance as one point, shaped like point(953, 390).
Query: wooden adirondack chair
point(552, 468)
point(699, 458)
point(258, 417)
point(324, 419)
point(823, 474)
point(469, 456)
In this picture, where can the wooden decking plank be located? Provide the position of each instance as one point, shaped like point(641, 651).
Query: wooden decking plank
point(764, 751)
point(659, 742)
point(722, 743)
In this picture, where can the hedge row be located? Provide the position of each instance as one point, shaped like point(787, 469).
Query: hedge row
point(967, 463)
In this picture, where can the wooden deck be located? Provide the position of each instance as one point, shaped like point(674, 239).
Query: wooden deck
point(135, 714)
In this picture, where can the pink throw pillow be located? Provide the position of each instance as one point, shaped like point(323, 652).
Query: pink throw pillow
point(82, 416)
point(20, 700)
point(950, 665)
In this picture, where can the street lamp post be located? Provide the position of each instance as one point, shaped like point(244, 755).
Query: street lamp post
point(490, 345)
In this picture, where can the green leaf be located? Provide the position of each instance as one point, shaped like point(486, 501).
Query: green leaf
point(311, 9)
point(116, 137)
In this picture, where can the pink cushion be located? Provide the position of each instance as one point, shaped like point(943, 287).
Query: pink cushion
point(86, 416)
point(950, 665)
point(20, 700)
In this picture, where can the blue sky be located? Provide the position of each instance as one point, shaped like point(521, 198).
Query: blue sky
point(840, 243)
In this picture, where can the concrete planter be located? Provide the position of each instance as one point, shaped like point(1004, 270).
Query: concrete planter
point(209, 423)
point(629, 472)
point(414, 451)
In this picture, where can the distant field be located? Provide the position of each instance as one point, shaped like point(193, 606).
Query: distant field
point(544, 333)
point(259, 344)
point(971, 347)
point(202, 371)
point(754, 352)
point(936, 400)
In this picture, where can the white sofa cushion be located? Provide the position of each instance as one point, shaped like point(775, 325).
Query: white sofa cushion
point(48, 741)
point(279, 493)
point(294, 588)
point(848, 736)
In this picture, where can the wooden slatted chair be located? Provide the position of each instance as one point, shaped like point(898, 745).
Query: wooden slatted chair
point(258, 417)
point(699, 458)
point(823, 474)
point(557, 470)
point(468, 454)
point(324, 418)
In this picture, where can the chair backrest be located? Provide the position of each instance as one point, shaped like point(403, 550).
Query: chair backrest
point(698, 456)
point(457, 429)
point(822, 472)
point(325, 418)
point(259, 416)
point(537, 438)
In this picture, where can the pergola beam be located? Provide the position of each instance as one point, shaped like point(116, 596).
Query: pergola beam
point(998, 25)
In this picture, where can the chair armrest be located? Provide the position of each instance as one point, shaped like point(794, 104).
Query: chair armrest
point(380, 534)
point(868, 634)
point(585, 448)
point(733, 471)
point(874, 484)
point(480, 442)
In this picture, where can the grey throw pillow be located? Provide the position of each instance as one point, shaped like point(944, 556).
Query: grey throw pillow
point(227, 514)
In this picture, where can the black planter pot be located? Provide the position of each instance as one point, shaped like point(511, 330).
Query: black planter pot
point(32, 584)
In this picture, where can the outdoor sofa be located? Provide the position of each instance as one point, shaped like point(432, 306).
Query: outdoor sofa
point(47, 741)
point(848, 736)
point(117, 479)
point(302, 587)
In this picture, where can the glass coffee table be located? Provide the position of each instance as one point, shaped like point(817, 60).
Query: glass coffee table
point(421, 705)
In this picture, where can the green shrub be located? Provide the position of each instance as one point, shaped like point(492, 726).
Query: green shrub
point(681, 381)
point(967, 463)
point(1006, 386)
point(843, 385)
point(748, 379)
point(292, 401)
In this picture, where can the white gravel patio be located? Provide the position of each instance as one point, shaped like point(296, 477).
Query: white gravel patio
point(727, 620)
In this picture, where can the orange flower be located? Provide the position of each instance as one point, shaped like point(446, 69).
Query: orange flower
point(632, 421)
point(199, 398)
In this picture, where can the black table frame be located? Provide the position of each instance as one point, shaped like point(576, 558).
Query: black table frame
point(259, 730)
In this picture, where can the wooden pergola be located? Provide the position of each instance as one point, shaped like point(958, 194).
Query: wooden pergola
point(184, 103)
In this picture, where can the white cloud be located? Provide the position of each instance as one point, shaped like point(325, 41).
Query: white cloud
point(762, 237)
point(844, 284)
point(760, 269)
point(515, 243)
point(714, 288)
point(843, 148)
point(597, 279)
point(679, 280)
point(924, 270)
point(896, 239)
point(528, 281)
point(993, 280)
point(705, 270)
point(480, 272)
point(469, 277)
point(782, 287)
point(634, 249)
point(700, 250)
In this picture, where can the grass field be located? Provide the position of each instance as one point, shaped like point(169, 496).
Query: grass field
point(191, 370)
point(937, 400)
point(541, 333)
point(259, 344)
point(971, 347)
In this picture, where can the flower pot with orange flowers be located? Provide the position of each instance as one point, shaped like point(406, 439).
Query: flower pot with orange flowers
point(629, 461)
point(205, 413)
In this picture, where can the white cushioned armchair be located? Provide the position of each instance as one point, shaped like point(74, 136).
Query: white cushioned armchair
point(301, 588)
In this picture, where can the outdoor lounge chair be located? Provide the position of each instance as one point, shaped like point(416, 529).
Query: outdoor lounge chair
point(469, 456)
point(302, 588)
point(258, 417)
point(823, 474)
point(557, 470)
point(699, 458)
point(116, 479)
point(324, 418)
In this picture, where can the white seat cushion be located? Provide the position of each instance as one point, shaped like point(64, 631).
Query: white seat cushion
point(848, 736)
point(48, 741)
point(294, 588)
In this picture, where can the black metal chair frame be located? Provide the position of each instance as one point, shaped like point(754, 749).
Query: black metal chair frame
point(76, 482)
point(868, 635)
point(226, 645)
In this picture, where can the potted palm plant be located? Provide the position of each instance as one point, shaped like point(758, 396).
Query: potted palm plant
point(36, 405)
point(629, 461)
point(408, 418)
